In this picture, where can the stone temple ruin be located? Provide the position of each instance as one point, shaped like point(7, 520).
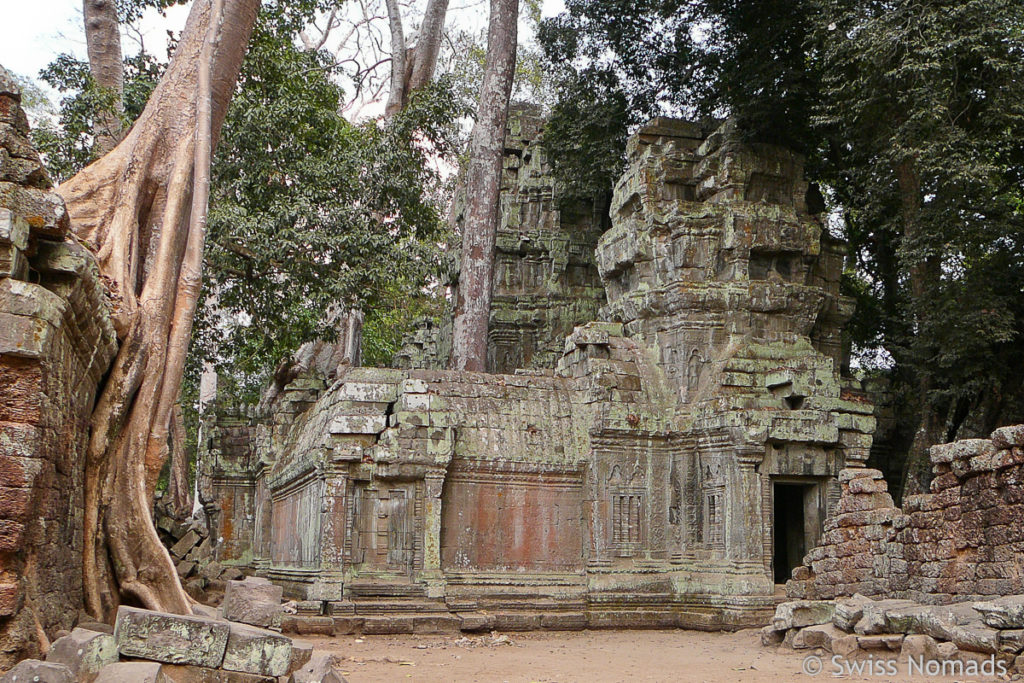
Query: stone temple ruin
point(659, 447)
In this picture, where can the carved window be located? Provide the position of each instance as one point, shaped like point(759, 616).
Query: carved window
point(714, 535)
point(627, 521)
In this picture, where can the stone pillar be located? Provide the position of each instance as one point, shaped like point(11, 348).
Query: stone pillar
point(432, 576)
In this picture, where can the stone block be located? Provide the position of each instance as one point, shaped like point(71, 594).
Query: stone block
point(257, 651)
point(476, 621)
point(302, 652)
point(848, 611)
point(771, 636)
point(84, 652)
point(919, 646)
point(36, 671)
point(320, 669)
point(819, 635)
point(1011, 641)
point(307, 626)
point(1005, 612)
point(182, 673)
point(845, 646)
point(170, 638)
point(185, 544)
point(800, 613)
point(132, 672)
point(254, 601)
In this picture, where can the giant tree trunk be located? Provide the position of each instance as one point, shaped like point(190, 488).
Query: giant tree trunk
point(924, 277)
point(428, 46)
point(179, 495)
point(483, 191)
point(103, 41)
point(141, 209)
point(413, 69)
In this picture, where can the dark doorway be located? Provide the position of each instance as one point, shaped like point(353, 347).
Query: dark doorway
point(789, 529)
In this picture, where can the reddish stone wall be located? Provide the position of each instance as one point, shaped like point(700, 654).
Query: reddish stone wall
point(497, 519)
point(962, 541)
point(56, 341)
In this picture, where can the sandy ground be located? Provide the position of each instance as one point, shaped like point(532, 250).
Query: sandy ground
point(670, 655)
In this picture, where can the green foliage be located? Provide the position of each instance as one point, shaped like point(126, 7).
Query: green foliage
point(311, 214)
point(922, 133)
point(620, 62)
point(67, 143)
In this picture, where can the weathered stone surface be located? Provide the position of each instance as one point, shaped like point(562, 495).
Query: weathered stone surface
point(1011, 641)
point(800, 613)
point(918, 647)
point(182, 673)
point(722, 325)
point(84, 652)
point(1005, 612)
point(845, 646)
point(257, 651)
point(302, 652)
point(308, 626)
point(56, 342)
point(819, 635)
point(848, 611)
point(771, 636)
point(35, 670)
point(321, 669)
point(253, 601)
point(132, 672)
point(170, 638)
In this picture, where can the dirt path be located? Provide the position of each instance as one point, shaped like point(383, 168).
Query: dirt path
point(584, 656)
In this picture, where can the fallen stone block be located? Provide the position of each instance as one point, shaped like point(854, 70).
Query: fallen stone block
point(181, 673)
point(848, 611)
point(919, 647)
point(1011, 641)
point(845, 646)
point(302, 652)
point(232, 574)
point(185, 544)
point(253, 601)
point(35, 670)
point(771, 636)
point(321, 669)
point(132, 672)
point(1005, 612)
point(800, 613)
point(819, 635)
point(257, 651)
point(975, 638)
point(84, 652)
point(880, 642)
point(170, 638)
point(97, 626)
point(873, 619)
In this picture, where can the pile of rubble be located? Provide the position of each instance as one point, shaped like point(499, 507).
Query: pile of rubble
point(858, 627)
point(238, 643)
point(191, 548)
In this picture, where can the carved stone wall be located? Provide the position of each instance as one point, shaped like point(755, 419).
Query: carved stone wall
point(56, 342)
point(636, 482)
point(545, 277)
point(960, 542)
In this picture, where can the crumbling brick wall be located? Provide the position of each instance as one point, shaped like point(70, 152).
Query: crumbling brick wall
point(56, 342)
point(962, 541)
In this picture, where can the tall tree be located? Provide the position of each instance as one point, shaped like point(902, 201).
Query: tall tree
point(483, 191)
point(141, 209)
point(103, 43)
point(923, 124)
point(412, 69)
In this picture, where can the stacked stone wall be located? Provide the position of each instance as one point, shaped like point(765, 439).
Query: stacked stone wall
point(56, 342)
point(962, 541)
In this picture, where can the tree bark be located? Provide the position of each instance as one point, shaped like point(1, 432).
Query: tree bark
point(103, 42)
point(924, 273)
point(396, 98)
point(483, 191)
point(179, 495)
point(141, 209)
point(428, 46)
